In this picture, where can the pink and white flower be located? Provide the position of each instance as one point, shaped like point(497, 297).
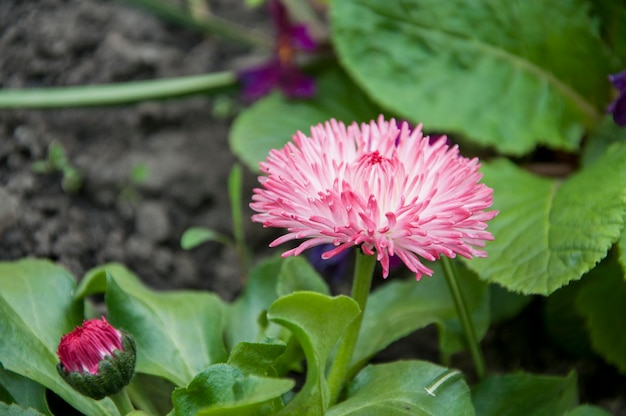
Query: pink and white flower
point(379, 186)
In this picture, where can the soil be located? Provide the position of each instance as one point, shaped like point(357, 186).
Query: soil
point(182, 145)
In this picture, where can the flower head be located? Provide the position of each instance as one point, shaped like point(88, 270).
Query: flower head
point(96, 359)
point(378, 186)
point(618, 106)
point(281, 70)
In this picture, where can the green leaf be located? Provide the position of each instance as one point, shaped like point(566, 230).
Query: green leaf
point(150, 394)
point(402, 388)
point(318, 322)
point(267, 281)
point(184, 326)
point(399, 307)
point(602, 302)
point(23, 391)
point(550, 232)
point(256, 357)
point(525, 394)
point(505, 74)
point(222, 389)
point(505, 304)
point(15, 410)
point(265, 126)
point(195, 236)
point(36, 309)
point(621, 244)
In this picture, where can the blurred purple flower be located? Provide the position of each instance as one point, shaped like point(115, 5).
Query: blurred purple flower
point(333, 268)
point(618, 106)
point(281, 70)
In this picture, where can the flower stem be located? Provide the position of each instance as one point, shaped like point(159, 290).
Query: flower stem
point(114, 94)
point(122, 402)
point(361, 285)
point(452, 277)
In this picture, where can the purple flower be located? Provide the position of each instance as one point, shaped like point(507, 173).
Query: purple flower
point(618, 106)
point(281, 70)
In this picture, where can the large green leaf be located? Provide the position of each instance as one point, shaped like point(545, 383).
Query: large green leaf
point(550, 232)
point(317, 321)
point(223, 389)
point(36, 308)
point(525, 394)
point(404, 388)
point(401, 307)
point(178, 334)
point(504, 73)
point(602, 302)
point(15, 410)
point(271, 121)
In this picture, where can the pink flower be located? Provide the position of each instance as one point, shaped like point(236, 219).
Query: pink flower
point(82, 349)
point(379, 186)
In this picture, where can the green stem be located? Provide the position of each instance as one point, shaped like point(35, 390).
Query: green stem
point(114, 94)
point(452, 277)
point(122, 402)
point(211, 24)
point(361, 285)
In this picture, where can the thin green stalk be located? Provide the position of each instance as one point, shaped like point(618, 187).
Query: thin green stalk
point(361, 285)
point(115, 94)
point(452, 277)
point(235, 184)
point(122, 402)
point(211, 24)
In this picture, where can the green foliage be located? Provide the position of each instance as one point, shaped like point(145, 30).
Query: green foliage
point(58, 162)
point(195, 236)
point(602, 303)
point(453, 64)
point(264, 126)
point(15, 410)
point(185, 325)
point(525, 394)
point(402, 388)
point(400, 307)
point(318, 322)
point(15, 388)
point(31, 333)
point(550, 232)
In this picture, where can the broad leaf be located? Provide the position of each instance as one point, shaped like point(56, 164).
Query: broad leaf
point(401, 307)
point(256, 357)
point(602, 302)
point(525, 394)
point(504, 73)
point(271, 121)
point(222, 389)
point(550, 232)
point(31, 332)
point(406, 388)
point(318, 322)
point(587, 410)
point(184, 326)
point(150, 394)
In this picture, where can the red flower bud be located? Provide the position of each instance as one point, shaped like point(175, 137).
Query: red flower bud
point(96, 359)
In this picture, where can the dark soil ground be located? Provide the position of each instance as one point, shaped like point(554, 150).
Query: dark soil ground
point(183, 146)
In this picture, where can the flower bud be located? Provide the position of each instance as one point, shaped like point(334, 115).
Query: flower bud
point(97, 360)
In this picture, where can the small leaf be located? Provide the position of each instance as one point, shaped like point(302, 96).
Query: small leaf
point(525, 394)
point(25, 286)
point(296, 274)
point(264, 126)
point(256, 357)
point(549, 232)
point(444, 63)
point(195, 236)
point(602, 302)
point(184, 326)
point(318, 322)
point(405, 388)
point(224, 389)
point(401, 307)
point(587, 410)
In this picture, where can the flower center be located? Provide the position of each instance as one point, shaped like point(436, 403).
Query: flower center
point(375, 158)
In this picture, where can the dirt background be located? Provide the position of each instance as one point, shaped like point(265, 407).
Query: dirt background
point(183, 145)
